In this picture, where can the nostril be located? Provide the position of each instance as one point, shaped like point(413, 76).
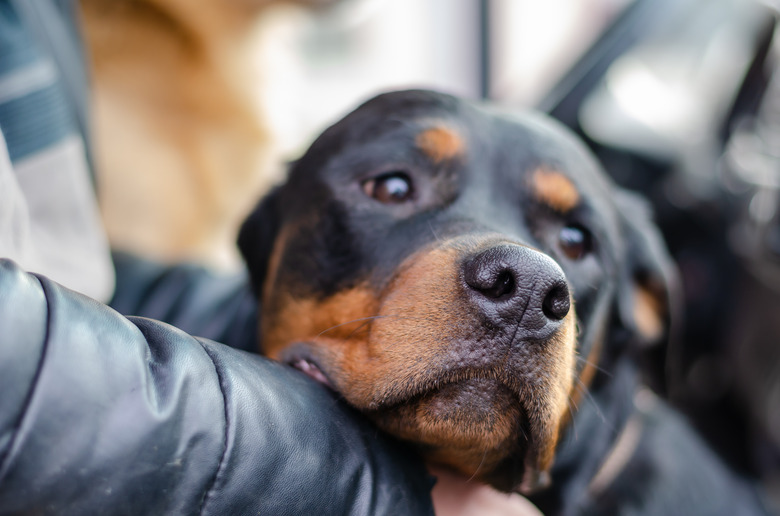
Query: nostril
point(556, 303)
point(503, 285)
point(489, 274)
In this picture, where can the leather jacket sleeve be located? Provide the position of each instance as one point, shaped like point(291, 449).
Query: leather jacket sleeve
point(102, 414)
point(220, 307)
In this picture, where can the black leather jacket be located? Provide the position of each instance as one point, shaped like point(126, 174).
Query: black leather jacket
point(102, 414)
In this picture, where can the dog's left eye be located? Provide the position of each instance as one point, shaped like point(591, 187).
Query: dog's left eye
point(575, 241)
point(390, 188)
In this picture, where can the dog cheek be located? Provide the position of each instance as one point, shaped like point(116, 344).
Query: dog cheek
point(423, 317)
point(338, 322)
point(405, 344)
point(588, 367)
point(564, 370)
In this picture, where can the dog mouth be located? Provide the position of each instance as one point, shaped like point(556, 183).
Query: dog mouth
point(479, 425)
point(474, 421)
point(310, 368)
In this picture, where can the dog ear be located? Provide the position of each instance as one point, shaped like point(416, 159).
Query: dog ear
point(648, 295)
point(256, 238)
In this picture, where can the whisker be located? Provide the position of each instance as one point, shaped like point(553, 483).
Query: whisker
point(362, 319)
point(586, 392)
point(571, 402)
point(481, 462)
point(430, 225)
point(595, 366)
point(366, 320)
point(362, 325)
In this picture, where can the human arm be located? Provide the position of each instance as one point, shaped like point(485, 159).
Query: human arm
point(102, 413)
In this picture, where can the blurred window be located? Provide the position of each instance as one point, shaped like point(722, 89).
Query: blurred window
point(333, 59)
point(534, 43)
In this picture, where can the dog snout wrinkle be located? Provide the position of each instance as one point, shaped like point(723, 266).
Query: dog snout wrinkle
point(512, 284)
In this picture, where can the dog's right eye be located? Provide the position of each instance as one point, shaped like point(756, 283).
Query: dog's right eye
point(389, 188)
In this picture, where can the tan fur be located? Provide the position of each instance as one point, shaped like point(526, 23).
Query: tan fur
point(590, 367)
point(181, 144)
point(648, 313)
point(555, 190)
point(441, 143)
point(335, 321)
point(274, 262)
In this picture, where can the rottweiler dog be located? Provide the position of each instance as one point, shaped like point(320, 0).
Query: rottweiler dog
point(473, 283)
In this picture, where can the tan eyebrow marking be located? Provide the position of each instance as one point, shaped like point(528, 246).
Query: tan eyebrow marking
point(440, 143)
point(554, 189)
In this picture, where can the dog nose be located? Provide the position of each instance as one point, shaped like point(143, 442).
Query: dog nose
point(511, 281)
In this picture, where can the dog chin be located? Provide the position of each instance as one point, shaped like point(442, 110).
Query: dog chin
point(475, 425)
point(475, 412)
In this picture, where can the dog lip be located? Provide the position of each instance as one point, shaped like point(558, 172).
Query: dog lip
point(299, 358)
point(433, 383)
point(438, 383)
point(311, 370)
point(453, 370)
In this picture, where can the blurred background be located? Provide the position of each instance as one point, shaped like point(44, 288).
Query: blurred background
point(197, 106)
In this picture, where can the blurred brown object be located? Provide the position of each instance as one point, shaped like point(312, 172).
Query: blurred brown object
point(182, 147)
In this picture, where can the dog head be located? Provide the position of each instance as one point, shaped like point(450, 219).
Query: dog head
point(455, 273)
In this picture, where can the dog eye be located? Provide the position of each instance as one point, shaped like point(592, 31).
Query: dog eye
point(390, 188)
point(575, 241)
